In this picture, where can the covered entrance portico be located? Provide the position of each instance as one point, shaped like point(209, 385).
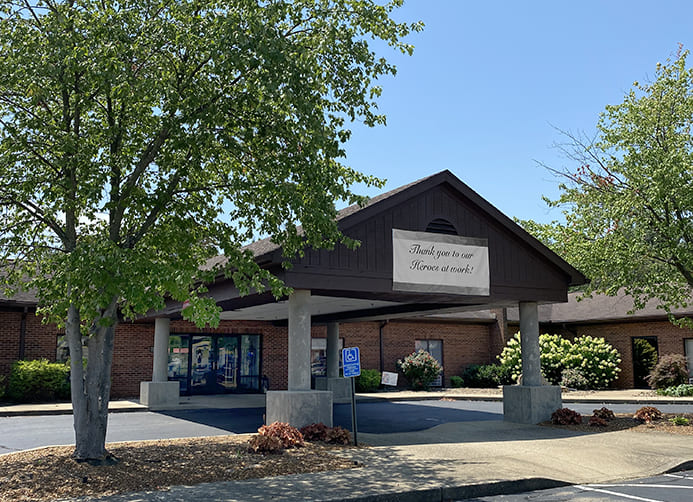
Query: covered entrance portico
point(431, 247)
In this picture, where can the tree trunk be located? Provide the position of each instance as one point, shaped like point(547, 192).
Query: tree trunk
point(91, 388)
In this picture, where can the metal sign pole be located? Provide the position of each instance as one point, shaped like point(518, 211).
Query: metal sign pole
point(354, 427)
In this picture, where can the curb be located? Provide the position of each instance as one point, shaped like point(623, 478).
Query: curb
point(461, 492)
point(28, 411)
point(51, 412)
point(588, 400)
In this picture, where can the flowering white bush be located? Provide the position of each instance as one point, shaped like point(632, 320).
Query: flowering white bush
point(420, 368)
point(593, 358)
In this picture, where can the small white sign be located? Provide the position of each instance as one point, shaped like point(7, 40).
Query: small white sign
point(389, 378)
point(423, 261)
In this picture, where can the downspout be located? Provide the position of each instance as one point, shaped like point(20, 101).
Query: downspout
point(380, 333)
point(22, 334)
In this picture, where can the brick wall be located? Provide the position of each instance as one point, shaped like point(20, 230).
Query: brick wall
point(499, 333)
point(9, 340)
point(40, 340)
point(132, 358)
point(463, 344)
point(670, 340)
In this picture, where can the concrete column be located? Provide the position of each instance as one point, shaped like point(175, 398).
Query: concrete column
point(333, 350)
point(162, 330)
point(531, 402)
point(529, 333)
point(160, 394)
point(299, 340)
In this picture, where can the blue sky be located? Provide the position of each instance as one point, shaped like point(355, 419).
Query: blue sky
point(490, 81)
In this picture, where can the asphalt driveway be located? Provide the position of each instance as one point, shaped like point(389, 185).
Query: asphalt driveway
point(374, 417)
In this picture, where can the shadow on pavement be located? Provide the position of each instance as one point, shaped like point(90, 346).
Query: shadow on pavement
point(387, 417)
point(237, 420)
point(392, 424)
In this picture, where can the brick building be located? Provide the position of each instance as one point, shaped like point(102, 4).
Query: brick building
point(610, 317)
point(428, 249)
point(464, 339)
point(467, 341)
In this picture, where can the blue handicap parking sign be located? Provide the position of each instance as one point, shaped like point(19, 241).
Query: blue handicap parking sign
point(351, 361)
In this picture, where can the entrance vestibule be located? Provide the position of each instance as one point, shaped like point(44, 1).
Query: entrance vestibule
point(215, 364)
point(432, 247)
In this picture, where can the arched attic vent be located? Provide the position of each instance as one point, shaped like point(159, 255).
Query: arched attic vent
point(441, 226)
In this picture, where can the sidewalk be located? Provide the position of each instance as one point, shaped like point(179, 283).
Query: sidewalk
point(634, 396)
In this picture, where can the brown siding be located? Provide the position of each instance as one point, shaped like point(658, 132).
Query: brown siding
point(517, 271)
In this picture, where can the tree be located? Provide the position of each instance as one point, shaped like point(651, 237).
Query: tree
point(628, 204)
point(139, 138)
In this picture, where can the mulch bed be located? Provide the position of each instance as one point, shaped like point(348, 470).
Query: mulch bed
point(625, 421)
point(50, 473)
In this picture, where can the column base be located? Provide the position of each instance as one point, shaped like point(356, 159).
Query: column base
point(159, 395)
point(299, 407)
point(530, 405)
point(340, 387)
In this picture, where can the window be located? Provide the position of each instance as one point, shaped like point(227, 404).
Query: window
point(435, 348)
point(318, 355)
point(688, 347)
point(645, 355)
point(62, 351)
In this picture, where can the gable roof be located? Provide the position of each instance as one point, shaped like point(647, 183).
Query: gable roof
point(267, 250)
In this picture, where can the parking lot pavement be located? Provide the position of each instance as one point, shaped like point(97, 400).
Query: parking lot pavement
point(673, 487)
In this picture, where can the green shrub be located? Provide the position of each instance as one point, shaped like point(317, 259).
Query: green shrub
point(456, 381)
point(2, 386)
point(593, 358)
point(554, 350)
point(35, 381)
point(683, 390)
point(420, 368)
point(368, 381)
point(680, 421)
point(596, 359)
point(574, 379)
point(669, 371)
point(486, 376)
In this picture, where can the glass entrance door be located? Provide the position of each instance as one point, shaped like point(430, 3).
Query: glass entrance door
point(227, 363)
point(215, 364)
point(202, 378)
point(178, 356)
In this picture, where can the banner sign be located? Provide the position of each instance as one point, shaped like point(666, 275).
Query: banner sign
point(439, 263)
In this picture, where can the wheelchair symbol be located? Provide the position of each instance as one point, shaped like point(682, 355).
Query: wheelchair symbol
point(350, 356)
